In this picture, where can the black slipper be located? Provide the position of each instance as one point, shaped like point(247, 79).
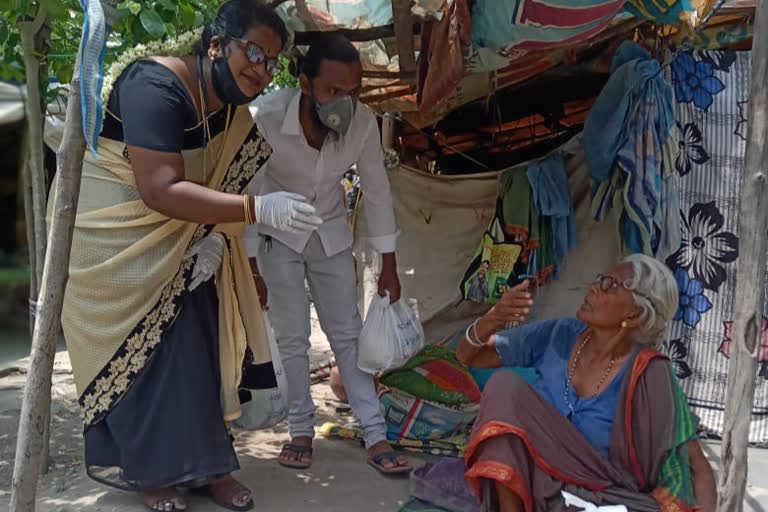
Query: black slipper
point(299, 450)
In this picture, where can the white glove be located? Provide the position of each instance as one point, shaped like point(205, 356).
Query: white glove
point(287, 212)
point(209, 252)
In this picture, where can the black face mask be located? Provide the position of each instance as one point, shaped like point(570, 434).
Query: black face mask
point(224, 84)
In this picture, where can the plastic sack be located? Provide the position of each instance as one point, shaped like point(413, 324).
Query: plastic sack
point(412, 418)
point(391, 335)
point(267, 407)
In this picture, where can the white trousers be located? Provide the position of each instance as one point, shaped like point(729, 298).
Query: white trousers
point(332, 281)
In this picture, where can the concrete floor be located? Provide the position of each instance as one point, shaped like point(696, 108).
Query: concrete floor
point(339, 479)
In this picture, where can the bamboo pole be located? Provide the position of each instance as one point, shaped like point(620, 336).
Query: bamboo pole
point(749, 299)
point(37, 396)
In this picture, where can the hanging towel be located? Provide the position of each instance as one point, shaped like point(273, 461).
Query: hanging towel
point(98, 18)
point(627, 140)
point(633, 72)
point(552, 198)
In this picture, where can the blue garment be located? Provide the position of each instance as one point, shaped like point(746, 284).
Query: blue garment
point(546, 347)
point(482, 375)
point(633, 72)
point(627, 139)
point(552, 198)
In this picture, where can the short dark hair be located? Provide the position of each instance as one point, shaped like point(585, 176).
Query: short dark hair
point(235, 17)
point(334, 47)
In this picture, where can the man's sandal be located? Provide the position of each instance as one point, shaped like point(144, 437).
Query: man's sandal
point(299, 450)
point(398, 469)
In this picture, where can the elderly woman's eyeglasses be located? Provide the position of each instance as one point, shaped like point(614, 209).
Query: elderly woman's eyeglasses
point(255, 54)
point(607, 283)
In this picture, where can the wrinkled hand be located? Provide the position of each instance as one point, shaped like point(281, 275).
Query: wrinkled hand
point(389, 283)
point(209, 252)
point(287, 212)
point(513, 306)
point(261, 288)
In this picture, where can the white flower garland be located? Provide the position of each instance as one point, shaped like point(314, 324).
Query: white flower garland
point(179, 46)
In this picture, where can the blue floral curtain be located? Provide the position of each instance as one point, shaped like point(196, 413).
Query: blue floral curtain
point(711, 91)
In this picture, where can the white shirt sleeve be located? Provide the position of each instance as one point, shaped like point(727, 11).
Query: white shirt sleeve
point(377, 194)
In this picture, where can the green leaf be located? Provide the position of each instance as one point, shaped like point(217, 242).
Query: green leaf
point(5, 31)
point(187, 13)
point(168, 5)
point(9, 5)
point(64, 75)
point(199, 20)
point(152, 22)
point(131, 6)
point(138, 33)
point(170, 29)
point(56, 8)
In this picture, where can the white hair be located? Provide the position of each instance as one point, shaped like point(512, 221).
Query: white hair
point(655, 291)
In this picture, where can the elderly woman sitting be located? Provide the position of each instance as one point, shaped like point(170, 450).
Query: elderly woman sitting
point(605, 420)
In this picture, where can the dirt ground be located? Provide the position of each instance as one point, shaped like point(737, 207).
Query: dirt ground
point(339, 479)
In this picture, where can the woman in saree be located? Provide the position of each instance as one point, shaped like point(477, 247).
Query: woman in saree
point(161, 313)
point(605, 419)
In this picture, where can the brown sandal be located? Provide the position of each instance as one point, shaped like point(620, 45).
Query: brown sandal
point(392, 456)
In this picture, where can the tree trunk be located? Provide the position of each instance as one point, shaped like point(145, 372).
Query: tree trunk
point(32, 45)
point(749, 299)
point(28, 31)
point(29, 221)
point(37, 396)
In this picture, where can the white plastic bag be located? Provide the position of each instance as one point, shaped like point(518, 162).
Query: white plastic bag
point(267, 407)
point(585, 506)
point(391, 335)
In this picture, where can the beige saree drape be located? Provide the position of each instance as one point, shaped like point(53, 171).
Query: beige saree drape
point(128, 271)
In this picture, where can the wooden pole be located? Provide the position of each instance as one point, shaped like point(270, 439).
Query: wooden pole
point(749, 299)
point(37, 395)
point(403, 22)
point(308, 37)
point(388, 132)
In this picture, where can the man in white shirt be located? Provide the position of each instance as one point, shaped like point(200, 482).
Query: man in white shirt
point(318, 133)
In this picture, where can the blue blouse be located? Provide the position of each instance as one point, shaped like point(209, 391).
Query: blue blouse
point(545, 347)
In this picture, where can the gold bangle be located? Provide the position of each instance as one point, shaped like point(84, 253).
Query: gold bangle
point(247, 209)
